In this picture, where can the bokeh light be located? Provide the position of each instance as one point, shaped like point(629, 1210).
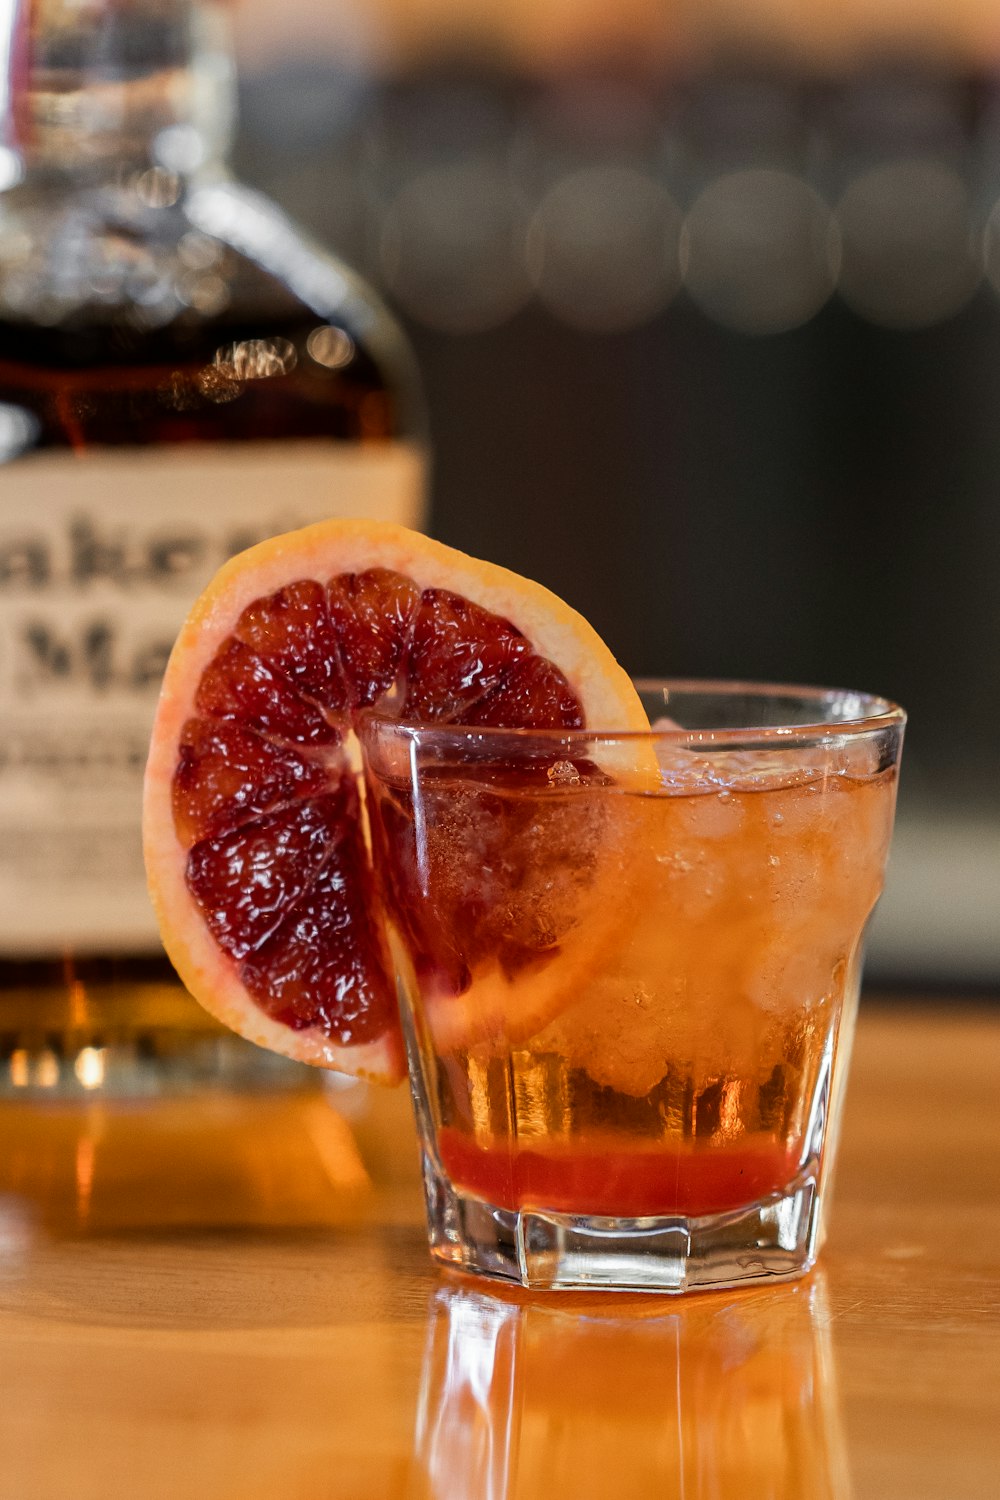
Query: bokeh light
point(602, 248)
point(757, 251)
point(908, 251)
point(450, 247)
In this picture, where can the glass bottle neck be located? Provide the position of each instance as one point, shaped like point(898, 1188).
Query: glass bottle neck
point(92, 89)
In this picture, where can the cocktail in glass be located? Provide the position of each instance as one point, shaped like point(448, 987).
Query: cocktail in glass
point(629, 969)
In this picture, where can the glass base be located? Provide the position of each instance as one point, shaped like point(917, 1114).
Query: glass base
point(771, 1240)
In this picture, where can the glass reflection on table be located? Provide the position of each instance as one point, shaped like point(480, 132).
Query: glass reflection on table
point(729, 1395)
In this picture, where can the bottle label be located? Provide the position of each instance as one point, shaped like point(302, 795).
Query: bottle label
point(101, 557)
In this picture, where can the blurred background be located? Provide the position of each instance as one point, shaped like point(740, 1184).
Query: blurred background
point(707, 302)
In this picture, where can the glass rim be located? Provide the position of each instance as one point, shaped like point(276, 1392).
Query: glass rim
point(874, 713)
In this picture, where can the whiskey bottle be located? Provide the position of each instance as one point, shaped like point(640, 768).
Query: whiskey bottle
point(181, 374)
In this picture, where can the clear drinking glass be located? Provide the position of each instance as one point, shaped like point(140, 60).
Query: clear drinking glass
point(629, 968)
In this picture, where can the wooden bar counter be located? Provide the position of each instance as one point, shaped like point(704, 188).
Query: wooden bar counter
point(230, 1299)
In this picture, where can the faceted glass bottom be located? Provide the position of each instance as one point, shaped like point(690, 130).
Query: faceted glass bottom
point(767, 1241)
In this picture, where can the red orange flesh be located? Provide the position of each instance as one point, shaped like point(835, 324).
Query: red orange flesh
point(258, 863)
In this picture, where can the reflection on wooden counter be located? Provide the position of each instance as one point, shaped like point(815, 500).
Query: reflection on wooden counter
point(210, 1159)
point(232, 1299)
point(730, 1396)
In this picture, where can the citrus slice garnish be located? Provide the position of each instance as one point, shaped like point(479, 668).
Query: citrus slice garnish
point(258, 862)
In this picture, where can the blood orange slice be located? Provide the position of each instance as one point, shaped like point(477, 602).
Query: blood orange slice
point(258, 863)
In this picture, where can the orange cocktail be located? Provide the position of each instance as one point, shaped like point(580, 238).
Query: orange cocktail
point(630, 966)
point(625, 929)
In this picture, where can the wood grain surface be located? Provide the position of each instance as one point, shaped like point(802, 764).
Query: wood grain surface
point(231, 1299)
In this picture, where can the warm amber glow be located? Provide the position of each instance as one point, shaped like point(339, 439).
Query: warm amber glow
point(730, 1123)
point(335, 1147)
point(89, 1067)
point(47, 1072)
point(77, 996)
point(556, 32)
point(84, 1173)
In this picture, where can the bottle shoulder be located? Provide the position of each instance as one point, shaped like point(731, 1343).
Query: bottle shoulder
point(207, 317)
point(255, 228)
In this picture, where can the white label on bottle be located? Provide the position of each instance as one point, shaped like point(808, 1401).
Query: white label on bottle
point(101, 556)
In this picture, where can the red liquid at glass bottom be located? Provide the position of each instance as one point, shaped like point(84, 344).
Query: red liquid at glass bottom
point(616, 1183)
